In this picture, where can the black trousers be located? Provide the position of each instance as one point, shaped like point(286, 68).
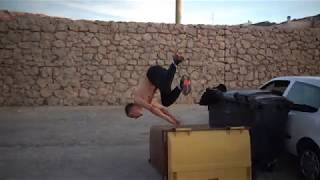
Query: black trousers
point(162, 79)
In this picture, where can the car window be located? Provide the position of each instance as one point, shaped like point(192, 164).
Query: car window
point(302, 93)
point(278, 86)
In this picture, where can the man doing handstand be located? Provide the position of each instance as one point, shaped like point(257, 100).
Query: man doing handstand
point(160, 78)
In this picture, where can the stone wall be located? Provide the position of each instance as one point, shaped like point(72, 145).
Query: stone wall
point(57, 61)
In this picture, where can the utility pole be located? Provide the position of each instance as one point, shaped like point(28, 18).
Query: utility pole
point(178, 11)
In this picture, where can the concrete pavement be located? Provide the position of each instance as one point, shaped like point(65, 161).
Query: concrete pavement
point(89, 143)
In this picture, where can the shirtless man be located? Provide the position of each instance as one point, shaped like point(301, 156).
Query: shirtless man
point(160, 78)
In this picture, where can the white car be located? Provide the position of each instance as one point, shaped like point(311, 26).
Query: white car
point(303, 129)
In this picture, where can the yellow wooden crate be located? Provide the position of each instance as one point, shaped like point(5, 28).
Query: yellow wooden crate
point(210, 154)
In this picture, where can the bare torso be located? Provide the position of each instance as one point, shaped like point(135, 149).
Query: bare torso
point(145, 90)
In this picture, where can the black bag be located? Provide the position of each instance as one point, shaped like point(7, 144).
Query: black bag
point(212, 95)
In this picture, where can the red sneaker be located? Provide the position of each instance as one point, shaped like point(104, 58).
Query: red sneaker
point(185, 84)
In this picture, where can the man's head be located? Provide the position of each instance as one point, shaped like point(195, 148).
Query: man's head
point(133, 110)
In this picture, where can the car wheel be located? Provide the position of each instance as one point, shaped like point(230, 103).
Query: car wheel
point(309, 160)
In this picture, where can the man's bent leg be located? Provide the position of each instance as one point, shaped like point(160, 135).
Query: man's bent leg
point(168, 98)
point(169, 77)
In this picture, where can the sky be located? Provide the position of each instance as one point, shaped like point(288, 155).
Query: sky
point(218, 12)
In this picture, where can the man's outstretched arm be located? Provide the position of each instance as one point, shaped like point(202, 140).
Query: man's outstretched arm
point(158, 112)
point(155, 110)
point(164, 110)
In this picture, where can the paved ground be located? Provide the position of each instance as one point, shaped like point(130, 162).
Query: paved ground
point(89, 143)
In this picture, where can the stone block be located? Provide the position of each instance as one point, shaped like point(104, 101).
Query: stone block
point(61, 35)
point(108, 78)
